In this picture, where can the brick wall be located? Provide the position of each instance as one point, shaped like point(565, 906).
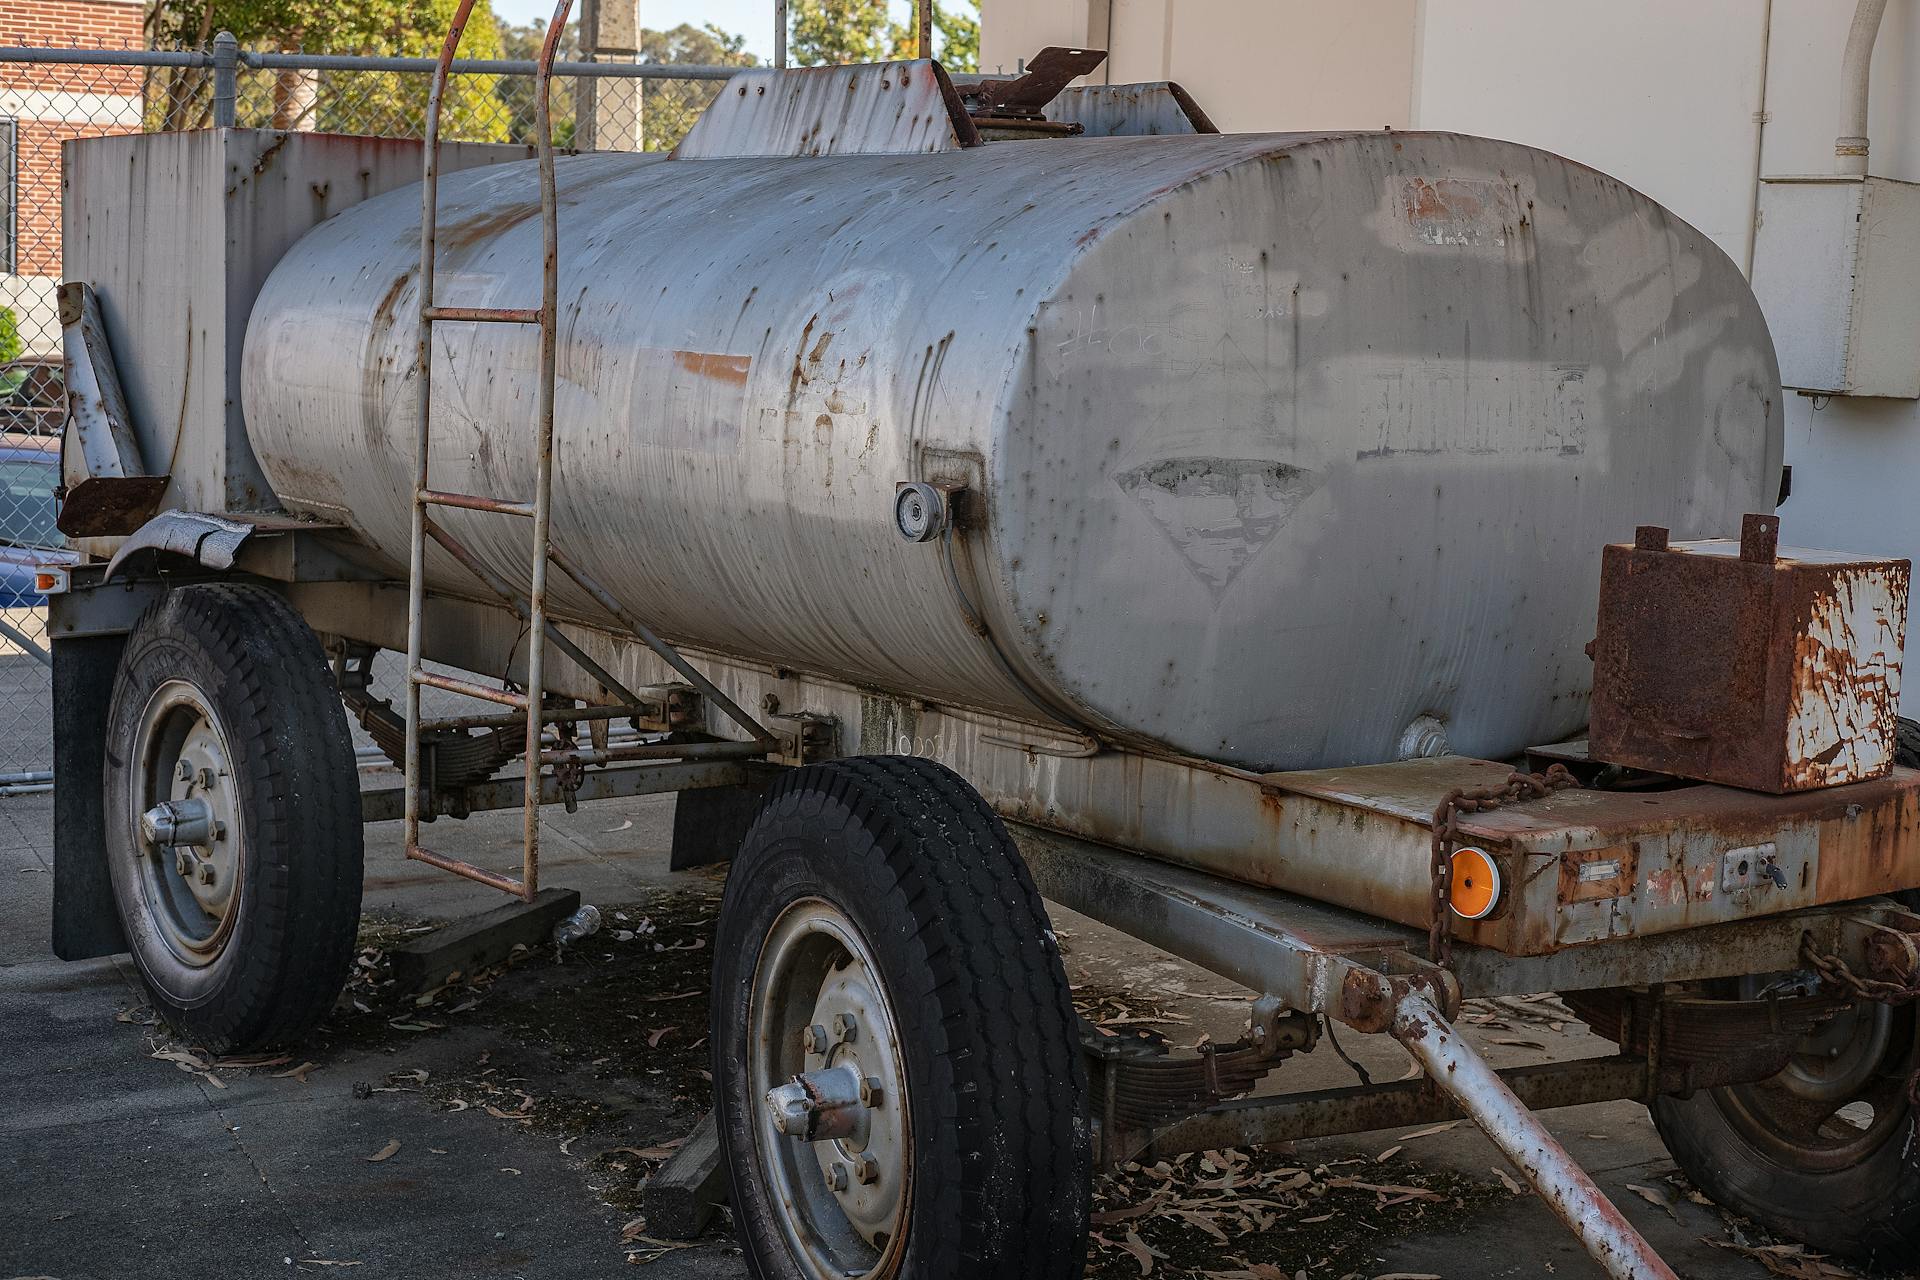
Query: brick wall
point(110, 24)
point(48, 105)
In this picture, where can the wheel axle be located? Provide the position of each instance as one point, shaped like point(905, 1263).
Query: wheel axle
point(180, 822)
point(820, 1105)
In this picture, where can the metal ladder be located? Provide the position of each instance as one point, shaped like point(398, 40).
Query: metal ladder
point(531, 707)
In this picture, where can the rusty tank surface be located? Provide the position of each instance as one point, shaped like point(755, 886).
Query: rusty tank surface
point(1281, 451)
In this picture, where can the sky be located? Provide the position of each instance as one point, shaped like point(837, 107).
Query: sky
point(750, 18)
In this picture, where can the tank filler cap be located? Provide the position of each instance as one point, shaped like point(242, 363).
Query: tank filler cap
point(1423, 738)
point(919, 511)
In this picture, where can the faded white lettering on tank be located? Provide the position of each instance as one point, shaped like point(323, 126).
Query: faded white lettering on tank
point(1454, 213)
point(1431, 407)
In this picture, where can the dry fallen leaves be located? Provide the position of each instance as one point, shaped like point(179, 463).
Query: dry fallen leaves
point(1654, 1197)
point(1789, 1260)
point(385, 1153)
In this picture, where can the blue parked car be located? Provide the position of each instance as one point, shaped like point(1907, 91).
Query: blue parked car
point(29, 543)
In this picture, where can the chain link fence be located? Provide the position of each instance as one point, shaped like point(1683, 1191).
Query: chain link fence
point(48, 96)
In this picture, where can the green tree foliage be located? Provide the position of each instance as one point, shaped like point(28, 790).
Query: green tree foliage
point(347, 102)
point(828, 33)
point(9, 337)
point(834, 32)
point(515, 93)
point(667, 107)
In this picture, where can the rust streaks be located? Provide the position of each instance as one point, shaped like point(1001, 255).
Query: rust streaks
point(730, 369)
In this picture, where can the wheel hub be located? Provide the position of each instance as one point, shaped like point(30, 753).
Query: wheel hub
point(1841, 1096)
point(187, 815)
point(835, 1137)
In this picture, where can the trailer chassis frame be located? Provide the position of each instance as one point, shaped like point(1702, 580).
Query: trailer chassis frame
point(1365, 971)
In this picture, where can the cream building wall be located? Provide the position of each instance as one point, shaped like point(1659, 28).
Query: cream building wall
point(1691, 101)
point(1287, 64)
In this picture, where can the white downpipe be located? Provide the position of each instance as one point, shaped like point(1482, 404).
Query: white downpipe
point(1759, 139)
point(1850, 148)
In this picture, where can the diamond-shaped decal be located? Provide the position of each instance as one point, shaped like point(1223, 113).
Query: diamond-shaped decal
point(1219, 513)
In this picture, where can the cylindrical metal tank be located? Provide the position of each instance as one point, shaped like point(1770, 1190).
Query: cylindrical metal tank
point(1276, 445)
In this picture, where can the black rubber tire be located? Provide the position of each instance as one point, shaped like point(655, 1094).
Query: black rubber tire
point(1906, 742)
point(1001, 1149)
point(262, 670)
point(1868, 1211)
point(1906, 753)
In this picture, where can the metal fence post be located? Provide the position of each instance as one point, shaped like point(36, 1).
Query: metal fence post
point(58, 93)
point(780, 33)
point(226, 62)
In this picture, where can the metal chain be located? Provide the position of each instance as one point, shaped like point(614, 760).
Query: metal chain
point(1836, 972)
point(1518, 788)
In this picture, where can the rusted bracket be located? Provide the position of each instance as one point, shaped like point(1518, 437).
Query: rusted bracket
point(803, 737)
point(1024, 97)
point(106, 489)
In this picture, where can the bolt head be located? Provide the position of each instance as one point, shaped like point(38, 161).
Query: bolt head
point(866, 1169)
point(183, 863)
point(870, 1091)
point(814, 1039)
point(183, 771)
point(836, 1176)
point(206, 873)
point(206, 779)
point(844, 1026)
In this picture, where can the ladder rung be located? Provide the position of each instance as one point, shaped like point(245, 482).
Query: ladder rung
point(473, 502)
point(467, 869)
point(484, 315)
point(505, 697)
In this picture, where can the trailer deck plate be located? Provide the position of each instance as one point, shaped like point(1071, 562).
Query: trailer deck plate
point(1271, 941)
point(1588, 866)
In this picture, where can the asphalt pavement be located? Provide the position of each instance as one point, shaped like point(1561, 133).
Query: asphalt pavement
point(524, 1112)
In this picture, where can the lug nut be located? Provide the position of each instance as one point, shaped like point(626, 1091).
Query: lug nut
point(866, 1169)
point(183, 771)
point(183, 863)
point(814, 1039)
point(206, 873)
point(836, 1176)
point(870, 1091)
point(206, 779)
point(844, 1027)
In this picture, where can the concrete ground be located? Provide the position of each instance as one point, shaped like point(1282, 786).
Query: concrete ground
point(527, 1112)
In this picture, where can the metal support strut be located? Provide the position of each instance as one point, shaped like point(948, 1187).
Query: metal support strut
point(1463, 1075)
point(530, 706)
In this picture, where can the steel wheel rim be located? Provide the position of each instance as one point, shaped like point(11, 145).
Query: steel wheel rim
point(181, 754)
point(815, 964)
point(1864, 1055)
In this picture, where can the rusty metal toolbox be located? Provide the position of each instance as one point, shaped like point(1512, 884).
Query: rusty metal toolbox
point(1773, 669)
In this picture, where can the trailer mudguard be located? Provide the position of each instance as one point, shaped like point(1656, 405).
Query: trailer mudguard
point(85, 921)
